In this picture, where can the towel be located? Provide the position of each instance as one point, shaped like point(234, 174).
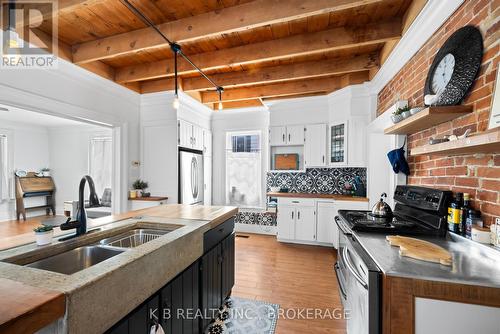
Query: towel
point(156, 329)
point(398, 160)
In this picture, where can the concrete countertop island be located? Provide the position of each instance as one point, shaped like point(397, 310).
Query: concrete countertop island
point(99, 296)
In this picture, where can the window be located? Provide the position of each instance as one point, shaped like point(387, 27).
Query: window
point(4, 169)
point(243, 169)
point(100, 163)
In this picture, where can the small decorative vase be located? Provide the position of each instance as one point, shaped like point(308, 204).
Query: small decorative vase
point(139, 193)
point(133, 193)
point(406, 114)
point(46, 173)
point(44, 238)
point(416, 110)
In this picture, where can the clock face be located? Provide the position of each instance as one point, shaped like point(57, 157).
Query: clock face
point(443, 73)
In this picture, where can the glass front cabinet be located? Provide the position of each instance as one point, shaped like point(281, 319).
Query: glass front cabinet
point(338, 143)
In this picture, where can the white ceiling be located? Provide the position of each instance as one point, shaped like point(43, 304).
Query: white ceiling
point(33, 118)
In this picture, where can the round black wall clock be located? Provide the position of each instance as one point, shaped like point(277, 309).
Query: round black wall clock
point(455, 66)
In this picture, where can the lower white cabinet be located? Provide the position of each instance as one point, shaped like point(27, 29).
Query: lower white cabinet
point(327, 231)
point(305, 224)
point(312, 221)
point(286, 227)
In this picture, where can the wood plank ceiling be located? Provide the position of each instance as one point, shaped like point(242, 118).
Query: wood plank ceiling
point(255, 49)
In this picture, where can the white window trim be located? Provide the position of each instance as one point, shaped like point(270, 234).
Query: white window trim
point(10, 161)
point(230, 133)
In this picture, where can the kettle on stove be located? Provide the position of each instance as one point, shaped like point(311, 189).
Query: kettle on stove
point(381, 209)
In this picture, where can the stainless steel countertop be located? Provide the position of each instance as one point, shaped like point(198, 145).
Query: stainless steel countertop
point(473, 263)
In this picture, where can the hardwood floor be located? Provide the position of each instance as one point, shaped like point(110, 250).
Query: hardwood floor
point(293, 276)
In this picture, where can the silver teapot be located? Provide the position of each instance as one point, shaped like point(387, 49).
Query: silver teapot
point(381, 209)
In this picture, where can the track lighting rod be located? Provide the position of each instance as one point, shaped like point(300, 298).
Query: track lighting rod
point(176, 48)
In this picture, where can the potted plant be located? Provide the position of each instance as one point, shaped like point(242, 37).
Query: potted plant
point(396, 116)
point(405, 112)
point(44, 234)
point(140, 185)
point(45, 171)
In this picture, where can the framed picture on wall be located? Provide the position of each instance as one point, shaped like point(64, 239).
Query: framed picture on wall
point(495, 106)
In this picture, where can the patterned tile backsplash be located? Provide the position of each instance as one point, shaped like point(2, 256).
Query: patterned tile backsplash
point(255, 218)
point(316, 180)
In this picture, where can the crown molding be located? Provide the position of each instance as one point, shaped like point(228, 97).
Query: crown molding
point(428, 21)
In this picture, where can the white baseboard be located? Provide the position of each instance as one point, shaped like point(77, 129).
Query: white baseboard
point(311, 243)
point(257, 229)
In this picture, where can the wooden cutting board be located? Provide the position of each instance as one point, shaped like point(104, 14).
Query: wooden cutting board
point(420, 249)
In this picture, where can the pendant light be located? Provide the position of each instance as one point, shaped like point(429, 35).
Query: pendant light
point(175, 49)
point(220, 90)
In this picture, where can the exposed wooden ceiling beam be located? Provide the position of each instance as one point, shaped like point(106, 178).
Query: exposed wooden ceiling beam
point(281, 73)
point(333, 39)
point(286, 88)
point(411, 14)
point(160, 85)
point(237, 18)
point(64, 52)
point(63, 7)
point(238, 104)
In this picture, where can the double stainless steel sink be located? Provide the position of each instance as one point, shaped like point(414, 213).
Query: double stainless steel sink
point(83, 257)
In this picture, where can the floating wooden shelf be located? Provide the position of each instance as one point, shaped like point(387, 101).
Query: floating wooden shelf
point(485, 142)
point(427, 118)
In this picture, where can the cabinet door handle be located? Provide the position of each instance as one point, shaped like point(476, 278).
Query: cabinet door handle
point(323, 159)
point(292, 214)
point(283, 137)
point(298, 215)
point(289, 137)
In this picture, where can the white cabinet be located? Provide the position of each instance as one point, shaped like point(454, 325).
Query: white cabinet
point(315, 145)
point(286, 222)
point(189, 135)
point(138, 204)
point(207, 180)
point(286, 135)
point(277, 135)
point(327, 231)
point(207, 142)
point(338, 143)
point(305, 223)
point(197, 138)
point(312, 221)
point(295, 135)
point(185, 134)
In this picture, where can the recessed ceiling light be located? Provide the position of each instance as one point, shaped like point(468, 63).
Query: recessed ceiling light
point(2, 109)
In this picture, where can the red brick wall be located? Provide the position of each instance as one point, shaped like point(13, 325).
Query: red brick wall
point(478, 175)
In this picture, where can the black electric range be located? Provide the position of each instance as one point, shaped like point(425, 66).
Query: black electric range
point(418, 211)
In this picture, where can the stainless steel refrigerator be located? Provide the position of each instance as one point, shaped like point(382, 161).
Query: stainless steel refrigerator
point(190, 177)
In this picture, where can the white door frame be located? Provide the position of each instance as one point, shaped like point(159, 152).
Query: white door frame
point(35, 103)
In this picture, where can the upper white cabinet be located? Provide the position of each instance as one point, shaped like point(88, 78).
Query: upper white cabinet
point(207, 142)
point(277, 135)
point(295, 135)
point(286, 135)
point(338, 143)
point(315, 146)
point(189, 135)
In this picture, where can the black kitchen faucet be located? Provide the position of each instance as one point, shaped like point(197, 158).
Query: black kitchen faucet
point(80, 224)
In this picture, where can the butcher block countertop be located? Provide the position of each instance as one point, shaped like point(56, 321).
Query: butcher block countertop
point(79, 303)
point(27, 307)
point(327, 196)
